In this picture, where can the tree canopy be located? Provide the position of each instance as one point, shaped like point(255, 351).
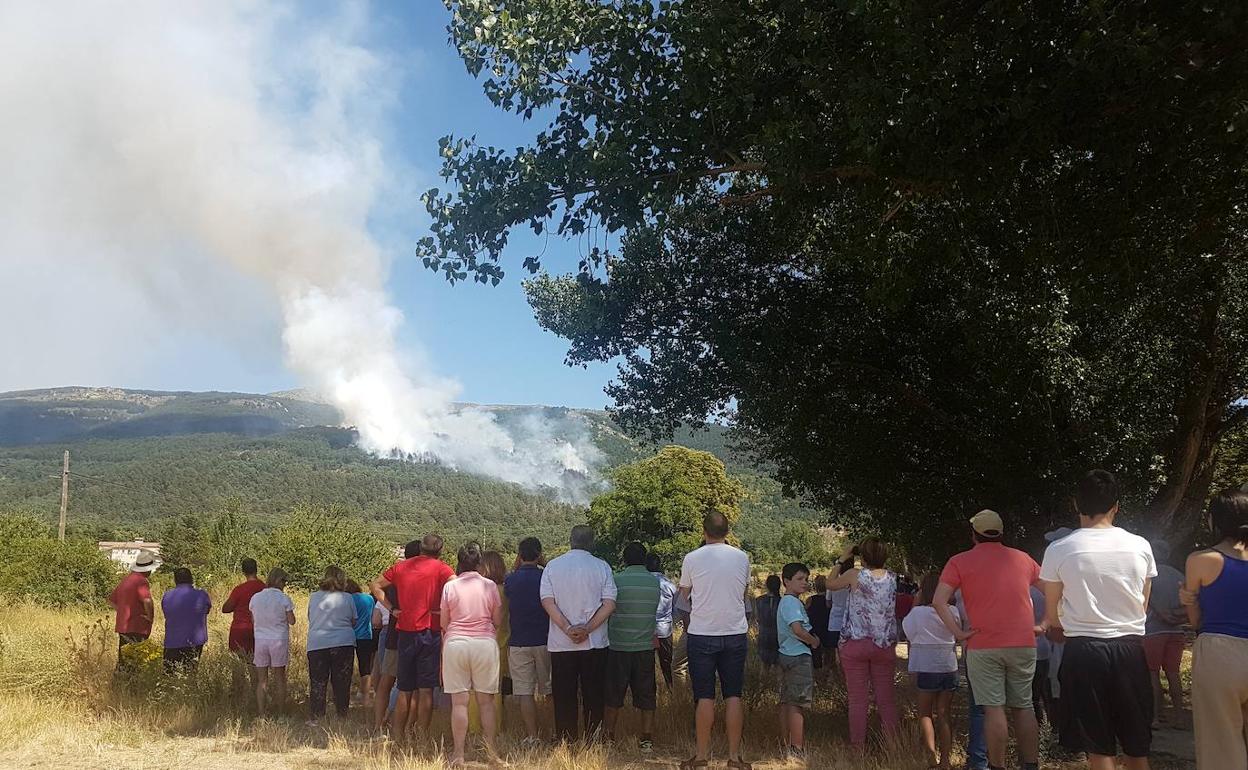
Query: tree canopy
point(928, 257)
point(660, 501)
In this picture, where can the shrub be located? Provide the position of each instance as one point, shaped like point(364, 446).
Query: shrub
point(311, 539)
point(35, 565)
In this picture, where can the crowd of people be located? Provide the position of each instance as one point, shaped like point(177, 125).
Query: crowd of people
point(1080, 637)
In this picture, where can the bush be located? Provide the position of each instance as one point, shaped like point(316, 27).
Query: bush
point(311, 539)
point(661, 500)
point(35, 565)
point(211, 545)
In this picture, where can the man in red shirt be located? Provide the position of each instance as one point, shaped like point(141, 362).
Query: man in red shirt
point(418, 582)
point(132, 599)
point(242, 628)
point(996, 586)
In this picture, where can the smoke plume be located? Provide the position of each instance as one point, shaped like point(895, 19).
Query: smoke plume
point(201, 162)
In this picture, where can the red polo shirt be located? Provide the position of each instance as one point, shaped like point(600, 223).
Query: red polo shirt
point(241, 599)
point(996, 591)
point(128, 598)
point(418, 582)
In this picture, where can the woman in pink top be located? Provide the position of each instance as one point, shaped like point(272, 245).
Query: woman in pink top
point(471, 614)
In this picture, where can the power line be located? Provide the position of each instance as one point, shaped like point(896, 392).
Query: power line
point(114, 483)
point(167, 496)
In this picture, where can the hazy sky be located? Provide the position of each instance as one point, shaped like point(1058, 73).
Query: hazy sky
point(197, 324)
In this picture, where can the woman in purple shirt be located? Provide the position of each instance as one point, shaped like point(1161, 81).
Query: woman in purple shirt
point(186, 622)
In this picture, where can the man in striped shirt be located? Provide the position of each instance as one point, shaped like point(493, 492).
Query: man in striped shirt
point(631, 632)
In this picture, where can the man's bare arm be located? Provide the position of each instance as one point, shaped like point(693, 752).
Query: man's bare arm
point(556, 614)
point(604, 611)
point(1052, 600)
point(378, 588)
point(940, 602)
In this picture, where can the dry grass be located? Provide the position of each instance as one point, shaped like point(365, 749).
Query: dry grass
point(60, 708)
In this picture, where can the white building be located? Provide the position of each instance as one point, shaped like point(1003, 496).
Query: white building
point(124, 553)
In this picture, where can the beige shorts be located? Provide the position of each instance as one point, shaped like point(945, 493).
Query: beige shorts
point(470, 663)
point(389, 665)
point(530, 670)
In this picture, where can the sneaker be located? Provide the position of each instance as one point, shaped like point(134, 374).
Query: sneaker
point(645, 745)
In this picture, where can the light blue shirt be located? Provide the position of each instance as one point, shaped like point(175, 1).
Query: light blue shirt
point(667, 598)
point(364, 604)
point(791, 609)
point(331, 620)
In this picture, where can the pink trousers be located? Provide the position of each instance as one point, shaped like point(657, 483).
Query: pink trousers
point(863, 662)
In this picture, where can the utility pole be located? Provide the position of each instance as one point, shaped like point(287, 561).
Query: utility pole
point(64, 495)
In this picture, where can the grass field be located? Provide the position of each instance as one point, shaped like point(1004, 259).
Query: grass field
point(60, 708)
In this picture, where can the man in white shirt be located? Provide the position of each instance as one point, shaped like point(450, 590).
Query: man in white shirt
point(1099, 579)
point(714, 578)
point(578, 593)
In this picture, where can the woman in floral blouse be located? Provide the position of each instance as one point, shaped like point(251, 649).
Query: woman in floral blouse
point(868, 647)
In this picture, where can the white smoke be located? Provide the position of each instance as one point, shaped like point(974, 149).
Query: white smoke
point(150, 143)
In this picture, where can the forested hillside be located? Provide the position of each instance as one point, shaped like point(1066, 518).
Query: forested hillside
point(127, 487)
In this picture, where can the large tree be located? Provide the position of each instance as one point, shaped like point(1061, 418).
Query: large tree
point(661, 500)
point(927, 256)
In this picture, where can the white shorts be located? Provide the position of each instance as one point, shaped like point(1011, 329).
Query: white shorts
point(530, 670)
point(470, 663)
point(272, 653)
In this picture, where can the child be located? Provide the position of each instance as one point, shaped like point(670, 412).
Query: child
point(934, 662)
point(797, 672)
point(765, 608)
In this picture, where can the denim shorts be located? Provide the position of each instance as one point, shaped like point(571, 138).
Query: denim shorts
point(724, 656)
point(937, 682)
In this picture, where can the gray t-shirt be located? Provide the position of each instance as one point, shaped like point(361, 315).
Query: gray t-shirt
point(1163, 603)
point(331, 620)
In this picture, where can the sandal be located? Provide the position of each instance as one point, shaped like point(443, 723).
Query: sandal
point(692, 763)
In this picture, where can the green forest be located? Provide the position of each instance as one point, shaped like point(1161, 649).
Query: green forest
point(160, 487)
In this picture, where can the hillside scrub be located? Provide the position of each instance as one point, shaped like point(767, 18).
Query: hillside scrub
point(35, 566)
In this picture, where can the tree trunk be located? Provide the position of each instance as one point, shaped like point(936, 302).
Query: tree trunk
point(1201, 412)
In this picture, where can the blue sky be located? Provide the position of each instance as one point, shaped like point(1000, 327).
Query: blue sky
point(484, 337)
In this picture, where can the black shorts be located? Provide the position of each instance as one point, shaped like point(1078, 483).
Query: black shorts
point(365, 650)
point(420, 660)
point(1107, 696)
point(181, 660)
point(630, 671)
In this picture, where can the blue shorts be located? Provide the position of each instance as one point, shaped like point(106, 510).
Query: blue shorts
point(938, 682)
point(724, 656)
point(420, 659)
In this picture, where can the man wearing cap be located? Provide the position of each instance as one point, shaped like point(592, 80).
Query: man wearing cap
point(132, 601)
point(996, 586)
